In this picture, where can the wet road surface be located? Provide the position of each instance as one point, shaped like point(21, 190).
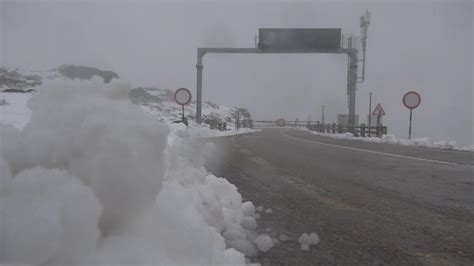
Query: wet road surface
point(369, 203)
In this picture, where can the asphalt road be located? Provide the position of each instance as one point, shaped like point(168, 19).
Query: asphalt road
point(369, 203)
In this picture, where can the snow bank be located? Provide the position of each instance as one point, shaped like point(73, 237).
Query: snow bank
point(392, 139)
point(205, 132)
point(92, 180)
point(13, 111)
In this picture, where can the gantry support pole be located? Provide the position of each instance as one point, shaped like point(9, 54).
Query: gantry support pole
point(199, 68)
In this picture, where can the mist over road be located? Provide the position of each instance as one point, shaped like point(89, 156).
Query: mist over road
point(369, 202)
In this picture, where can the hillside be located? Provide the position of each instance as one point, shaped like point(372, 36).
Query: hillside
point(160, 103)
point(16, 87)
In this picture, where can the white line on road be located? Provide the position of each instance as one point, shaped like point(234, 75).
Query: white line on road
point(378, 152)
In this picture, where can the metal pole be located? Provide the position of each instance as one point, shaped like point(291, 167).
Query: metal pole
point(370, 109)
point(236, 118)
point(409, 129)
point(322, 118)
point(351, 86)
point(199, 68)
point(182, 113)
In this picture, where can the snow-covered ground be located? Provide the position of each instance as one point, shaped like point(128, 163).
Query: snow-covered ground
point(168, 110)
point(13, 109)
point(392, 139)
point(87, 178)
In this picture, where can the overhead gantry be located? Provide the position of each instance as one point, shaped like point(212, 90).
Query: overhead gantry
point(298, 41)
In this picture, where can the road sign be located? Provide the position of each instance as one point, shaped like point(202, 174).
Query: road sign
point(281, 122)
point(378, 110)
point(182, 96)
point(307, 38)
point(411, 100)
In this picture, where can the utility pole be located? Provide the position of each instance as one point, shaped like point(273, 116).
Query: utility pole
point(370, 110)
point(322, 118)
point(236, 118)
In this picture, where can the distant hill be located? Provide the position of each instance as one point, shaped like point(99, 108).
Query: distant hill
point(83, 72)
point(11, 80)
point(14, 80)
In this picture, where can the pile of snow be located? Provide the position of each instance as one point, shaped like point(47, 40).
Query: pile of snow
point(248, 209)
point(205, 132)
point(91, 179)
point(306, 240)
point(264, 242)
point(392, 139)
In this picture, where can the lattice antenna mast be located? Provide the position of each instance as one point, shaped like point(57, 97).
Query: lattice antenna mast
point(364, 24)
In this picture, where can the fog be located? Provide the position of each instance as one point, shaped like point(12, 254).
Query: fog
point(421, 45)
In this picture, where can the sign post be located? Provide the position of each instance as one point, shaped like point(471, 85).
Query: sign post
point(411, 100)
point(370, 109)
point(378, 111)
point(182, 96)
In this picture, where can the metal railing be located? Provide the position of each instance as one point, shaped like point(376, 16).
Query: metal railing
point(362, 130)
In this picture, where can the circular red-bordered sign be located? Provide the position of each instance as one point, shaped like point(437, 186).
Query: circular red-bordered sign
point(281, 122)
point(411, 99)
point(182, 96)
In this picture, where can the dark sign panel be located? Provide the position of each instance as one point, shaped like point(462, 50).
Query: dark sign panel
point(322, 38)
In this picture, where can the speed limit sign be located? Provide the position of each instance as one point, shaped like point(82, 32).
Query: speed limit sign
point(281, 122)
point(411, 100)
point(182, 96)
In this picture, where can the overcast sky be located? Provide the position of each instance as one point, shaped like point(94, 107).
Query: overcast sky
point(413, 45)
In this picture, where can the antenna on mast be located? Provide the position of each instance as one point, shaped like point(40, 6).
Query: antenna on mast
point(364, 24)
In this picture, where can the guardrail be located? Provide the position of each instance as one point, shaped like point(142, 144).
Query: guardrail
point(362, 130)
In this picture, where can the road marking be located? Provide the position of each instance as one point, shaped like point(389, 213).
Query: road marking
point(378, 152)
